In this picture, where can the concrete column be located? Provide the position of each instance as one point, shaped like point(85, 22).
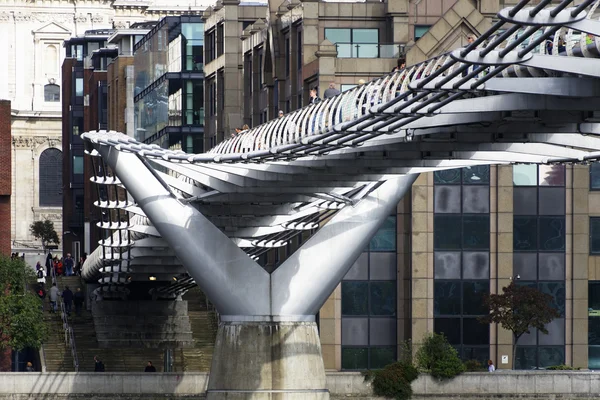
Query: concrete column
point(267, 360)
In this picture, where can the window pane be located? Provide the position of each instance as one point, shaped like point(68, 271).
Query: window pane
point(385, 238)
point(594, 298)
point(355, 358)
point(557, 291)
point(473, 293)
point(447, 199)
point(552, 234)
point(594, 330)
point(526, 357)
point(476, 232)
point(446, 298)
point(360, 269)
point(447, 265)
point(552, 175)
point(481, 354)
point(79, 87)
point(383, 266)
point(528, 338)
point(525, 265)
point(556, 333)
point(552, 201)
point(365, 35)
point(551, 356)
point(420, 30)
point(446, 236)
point(552, 266)
point(448, 177)
point(595, 235)
point(525, 175)
point(382, 331)
point(77, 165)
point(476, 175)
point(525, 233)
point(382, 356)
point(355, 331)
point(335, 35)
point(474, 332)
point(449, 327)
point(355, 298)
point(595, 179)
point(383, 298)
point(594, 357)
point(476, 199)
point(476, 265)
point(525, 200)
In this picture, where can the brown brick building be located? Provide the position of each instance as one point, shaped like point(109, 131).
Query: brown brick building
point(5, 176)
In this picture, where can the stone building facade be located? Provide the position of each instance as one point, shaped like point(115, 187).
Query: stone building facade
point(33, 32)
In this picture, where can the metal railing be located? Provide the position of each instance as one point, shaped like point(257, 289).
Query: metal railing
point(370, 50)
point(69, 335)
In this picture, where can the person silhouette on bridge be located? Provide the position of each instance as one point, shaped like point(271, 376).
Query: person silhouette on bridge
point(150, 367)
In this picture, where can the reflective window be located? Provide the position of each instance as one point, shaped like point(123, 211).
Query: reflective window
point(50, 178)
point(595, 235)
point(369, 293)
point(539, 255)
point(461, 258)
point(79, 87)
point(595, 176)
point(77, 165)
point(421, 30)
point(355, 43)
point(594, 324)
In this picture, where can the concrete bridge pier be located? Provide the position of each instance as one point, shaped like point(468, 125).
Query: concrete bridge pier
point(267, 360)
point(267, 344)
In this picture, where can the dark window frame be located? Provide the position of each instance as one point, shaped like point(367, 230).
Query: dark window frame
point(50, 178)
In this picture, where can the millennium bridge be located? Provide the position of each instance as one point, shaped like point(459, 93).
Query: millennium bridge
point(525, 91)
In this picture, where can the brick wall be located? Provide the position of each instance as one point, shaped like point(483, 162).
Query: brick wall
point(5, 176)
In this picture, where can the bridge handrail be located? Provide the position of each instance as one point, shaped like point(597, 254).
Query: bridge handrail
point(68, 330)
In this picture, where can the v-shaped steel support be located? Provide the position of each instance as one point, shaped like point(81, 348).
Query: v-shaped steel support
point(240, 289)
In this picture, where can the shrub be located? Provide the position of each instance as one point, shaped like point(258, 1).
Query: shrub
point(394, 380)
point(562, 367)
point(438, 357)
point(474, 365)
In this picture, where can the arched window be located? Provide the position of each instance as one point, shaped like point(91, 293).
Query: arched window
point(51, 92)
point(51, 178)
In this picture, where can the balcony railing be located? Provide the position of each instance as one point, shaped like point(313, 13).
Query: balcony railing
point(370, 50)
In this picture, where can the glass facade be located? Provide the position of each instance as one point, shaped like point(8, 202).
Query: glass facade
point(539, 254)
point(50, 178)
point(369, 304)
point(594, 324)
point(169, 84)
point(461, 231)
point(595, 176)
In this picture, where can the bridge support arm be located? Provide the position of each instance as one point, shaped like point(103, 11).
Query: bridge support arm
point(232, 281)
point(300, 286)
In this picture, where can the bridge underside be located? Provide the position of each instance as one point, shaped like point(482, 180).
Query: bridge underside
point(337, 169)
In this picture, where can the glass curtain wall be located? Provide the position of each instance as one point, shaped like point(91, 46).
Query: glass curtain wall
point(539, 255)
point(462, 258)
point(369, 304)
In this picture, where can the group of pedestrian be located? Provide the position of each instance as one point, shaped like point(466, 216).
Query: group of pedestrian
point(63, 266)
point(68, 297)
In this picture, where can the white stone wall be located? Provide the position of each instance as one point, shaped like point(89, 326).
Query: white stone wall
point(32, 33)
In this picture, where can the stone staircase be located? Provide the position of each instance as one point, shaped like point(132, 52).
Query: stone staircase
point(204, 332)
point(127, 359)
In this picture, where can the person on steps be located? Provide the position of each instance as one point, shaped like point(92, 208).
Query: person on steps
point(78, 300)
point(67, 296)
point(53, 297)
point(99, 365)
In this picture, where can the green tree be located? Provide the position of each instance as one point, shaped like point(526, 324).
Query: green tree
point(21, 320)
point(438, 357)
point(44, 230)
point(520, 308)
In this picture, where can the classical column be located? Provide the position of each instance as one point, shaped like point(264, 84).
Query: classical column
point(267, 343)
